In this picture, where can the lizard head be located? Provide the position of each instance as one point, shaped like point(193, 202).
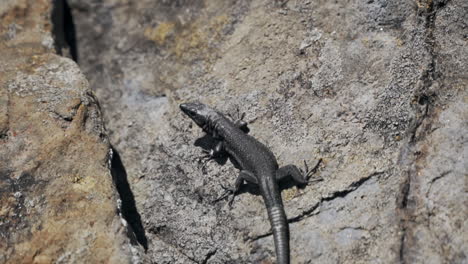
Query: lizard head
point(201, 114)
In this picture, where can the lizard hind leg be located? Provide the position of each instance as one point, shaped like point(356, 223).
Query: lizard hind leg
point(299, 176)
point(243, 176)
point(291, 171)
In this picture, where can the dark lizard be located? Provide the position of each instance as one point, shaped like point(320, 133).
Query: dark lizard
point(258, 166)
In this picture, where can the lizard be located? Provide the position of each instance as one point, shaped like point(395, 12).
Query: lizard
point(257, 163)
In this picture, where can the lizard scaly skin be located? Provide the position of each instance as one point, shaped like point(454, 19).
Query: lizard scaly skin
point(258, 166)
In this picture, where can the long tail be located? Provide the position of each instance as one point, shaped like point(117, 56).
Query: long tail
point(279, 226)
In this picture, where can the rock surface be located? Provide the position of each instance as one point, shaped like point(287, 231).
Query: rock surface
point(58, 203)
point(377, 89)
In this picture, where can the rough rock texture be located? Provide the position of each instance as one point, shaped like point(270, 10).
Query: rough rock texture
point(378, 89)
point(58, 203)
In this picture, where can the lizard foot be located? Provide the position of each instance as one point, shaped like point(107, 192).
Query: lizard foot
point(308, 173)
point(227, 192)
point(239, 120)
point(206, 158)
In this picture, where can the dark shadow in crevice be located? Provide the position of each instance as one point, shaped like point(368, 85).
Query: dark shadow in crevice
point(128, 209)
point(64, 30)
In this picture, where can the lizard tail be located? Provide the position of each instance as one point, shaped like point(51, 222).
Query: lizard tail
point(279, 226)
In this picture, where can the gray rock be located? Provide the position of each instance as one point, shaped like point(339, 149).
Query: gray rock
point(58, 203)
point(375, 88)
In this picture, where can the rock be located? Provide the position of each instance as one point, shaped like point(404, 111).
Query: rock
point(375, 88)
point(58, 203)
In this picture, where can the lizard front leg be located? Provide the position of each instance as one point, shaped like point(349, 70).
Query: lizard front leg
point(242, 125)
point(239, 121)
point(217, 151)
